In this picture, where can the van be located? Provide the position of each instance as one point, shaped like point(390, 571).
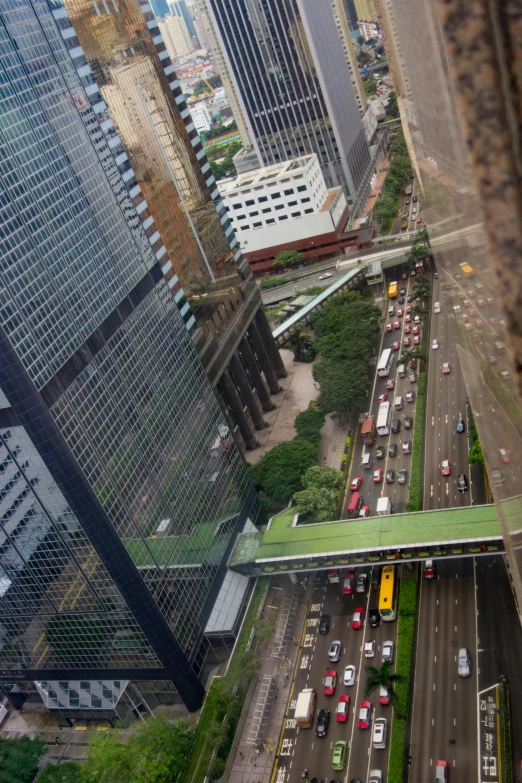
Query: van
point(354, 505)
point(367, 461)
point(399, 403)
point(401, 369)
point(501, 348)
point(391, 311)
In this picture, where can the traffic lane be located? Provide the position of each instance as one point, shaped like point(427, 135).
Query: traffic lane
point(500, 639)
point(444, 706)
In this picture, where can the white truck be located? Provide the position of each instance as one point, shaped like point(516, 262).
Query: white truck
point(305, 708)
point(384, 507)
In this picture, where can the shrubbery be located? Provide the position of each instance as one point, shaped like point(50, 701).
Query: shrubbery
point(385, 209)
point(308, 424)
point(417, 457)
point(279, 471)
point(475, 453)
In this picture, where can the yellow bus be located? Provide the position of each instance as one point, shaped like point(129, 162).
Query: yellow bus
point(467, 269)
point(388, 593)
point(393, 290)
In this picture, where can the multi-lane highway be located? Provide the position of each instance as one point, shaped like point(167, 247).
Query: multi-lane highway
point(300, 747)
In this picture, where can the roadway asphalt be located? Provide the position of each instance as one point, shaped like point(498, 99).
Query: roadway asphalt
point(444, 713)
point(301, 748)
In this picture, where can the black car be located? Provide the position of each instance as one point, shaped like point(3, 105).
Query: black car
point(390, 476)
point(381, 451)
point(462, 483)
point(374, 617)
point(320, 578)
point(461, 427)
point(323, 721)
point(392, 450)
point(396, 425)
point(401, 300)
point(324, 623)
point(408, 422)
point(411, 297)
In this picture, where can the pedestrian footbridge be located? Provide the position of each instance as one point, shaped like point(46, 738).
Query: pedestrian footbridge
point(289, 546)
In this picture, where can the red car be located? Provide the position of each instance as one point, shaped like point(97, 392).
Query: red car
point(358, 618)
point(416, 340)
point(407, 329)
point(341, 713)
point(349, 582)
point(445, 467)
point(408, 319)
point(406, 342)
point(408, 310)
point(419, 221)
point(400, 312)
point(365, 715)
point(396, 324)
point(356, 483)
point(446, 368)
point(390, 384)
point(384, 696)
point(389, 328)
point(383, 397)
point(364, 512)
point(480, 323)
point(416, 329)
point(465, 317)
point(330, 683)
point(396, 345)
point(504, 455)
point(377, 476)
point(471, 294)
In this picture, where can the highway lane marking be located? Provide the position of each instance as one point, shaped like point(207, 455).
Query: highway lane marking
point(435, 659)
point(433, 721)
point(433, 686)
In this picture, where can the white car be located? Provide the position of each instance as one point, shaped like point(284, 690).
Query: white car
point(325, 276)
point(387, 652)
point(464, 663)
point(434, 344)
point(375, 776)
point(349, 675)
point(380, 733)
point(369, 649)
point(437, 307)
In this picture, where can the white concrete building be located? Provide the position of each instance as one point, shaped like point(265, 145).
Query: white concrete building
point(201, 116)
point(175, 34)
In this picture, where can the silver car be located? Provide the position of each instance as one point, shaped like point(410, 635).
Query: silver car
point(375, 776)
point(349, 675)
point(387, 652)
point(334, 653)
point(464, 662)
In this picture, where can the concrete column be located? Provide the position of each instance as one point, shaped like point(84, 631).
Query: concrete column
point(270, 344)
point(264, 361)
point(230, 395)
point(243, 383)
point(249, 360)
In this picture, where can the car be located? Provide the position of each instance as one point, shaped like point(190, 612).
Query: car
point(390, 384)
point(410, 297)
point(504, 456)
point(390, 476)
point(402, 475)
point(374, 618)
point(324, 623)
point(480, 323)
point(481, 302)
point(396, 324)
point(380, 733)
point(330, 682)
point(471, 294)
point(410, 396)
point(441, 771)
point(391, 311)
point(396, 426)
point(462, 483)
point(492, 359)
point(414, 199)
point(389, 328)
point(490, 300)
point(369, 649)
point(349, 675)
point(349, 582)
point(417, 319)
point(465, 317)
point(388, 649)
point(407, 319)
point(408, 310)
point(412, 378)
point(356, 483)
point(400, 312)
point(445, 467)
point(334, 651)
point(392, 450)
point(406, 342)
point(408, 422)
point(396, 345)
point(469, 327)
point(446, 368)
point(407, 329)
point(365, 511)
point(497, 476)
point(416, 340)
point(361, 583)
point(323, 721)
point(416, 329)
point(358, 618)
point(402, 291)
point(404, 276)
point(383, 397)
point(406, 449)
point(413, 273)
point(461, 427)
point(464, 663)
point(466, 303)
point(461, 296)
point(365, 715)
point(341, 713)
point(325, 276)
point(384, 696)
point(400, 300)
point(339, 755)
point(419, 221)
point(407, 202)
point(434, 344)
point(429, 569)
point(380, 452)
point(436, 307)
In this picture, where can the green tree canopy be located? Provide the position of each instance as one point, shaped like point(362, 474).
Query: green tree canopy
point(66, 772)
point(344, 385)
point(417, 252)
point(287, 258)
point(323, 478)
point(19, 758)
point(370, 88)
point(383, 677)
point(279, 471)
point(424, 237)
point(392, 108)
point(308, 424)
point(317, 503)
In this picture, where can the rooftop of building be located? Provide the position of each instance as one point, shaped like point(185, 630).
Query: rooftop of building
point(266, 174)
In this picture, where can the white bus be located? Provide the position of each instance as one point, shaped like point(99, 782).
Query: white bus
point(383, 419)
point(385, 363)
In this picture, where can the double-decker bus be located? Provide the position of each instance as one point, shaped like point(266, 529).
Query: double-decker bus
point(383, 418)
point(385, 363)
point(388, 593)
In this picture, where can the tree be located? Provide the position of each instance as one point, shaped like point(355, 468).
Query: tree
point(343, 385)
point(412, 354)
point(287, 258)
point(384, 677)
point(65, 772)
point(417, 252)
point(263, 630)
point(279, 471)
point(19, 758)
point(323, 478)
point(300, 343)
point(360, 40)
point(316, 503)
point(392, 108)
point(370, 88)
point(424, 237)
point(308, 425)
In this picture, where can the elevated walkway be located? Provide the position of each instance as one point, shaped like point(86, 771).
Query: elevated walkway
point(290, 547)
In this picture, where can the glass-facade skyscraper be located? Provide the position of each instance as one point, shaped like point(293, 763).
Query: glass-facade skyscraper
point(121, 488)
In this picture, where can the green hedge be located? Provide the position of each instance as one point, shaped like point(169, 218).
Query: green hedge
point(308, 424)
point(417, 457)
point(405, 645)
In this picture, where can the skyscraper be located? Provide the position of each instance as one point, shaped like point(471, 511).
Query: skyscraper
point(175, 34)
point(179, 8)
point(121, 488)
point(287, 64)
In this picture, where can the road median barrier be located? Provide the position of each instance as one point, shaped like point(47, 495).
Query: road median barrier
point(417, 456)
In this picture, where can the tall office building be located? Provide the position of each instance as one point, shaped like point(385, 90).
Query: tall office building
point(366, 11)
point(287, 63)
point(179, 8)
point(121, 488)
point(175, 34)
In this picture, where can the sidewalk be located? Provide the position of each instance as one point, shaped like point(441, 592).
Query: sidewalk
point(333, 439)
point(254, 764)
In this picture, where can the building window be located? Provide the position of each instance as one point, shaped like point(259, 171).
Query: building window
point(249, 202)
point(296, 214)
point(243, 217)
point(270, 220)
point(267, 209)
point(245, 227)
point(280, 206)
point(299, 189)
point(256, 225)
point(305, 200)
point(275, 195)
point(289, 192)
point(263, 198)
point(236, 206)
point(283, 217)
point(253, 214)
point(307, 211)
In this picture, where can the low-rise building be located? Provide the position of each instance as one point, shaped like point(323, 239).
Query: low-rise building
point(201, 116)
point(369, 30)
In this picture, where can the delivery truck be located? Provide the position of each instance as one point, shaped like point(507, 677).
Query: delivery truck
point(384, 507)
point(305, 708)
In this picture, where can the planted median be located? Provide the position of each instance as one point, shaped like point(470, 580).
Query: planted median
point(417, 456)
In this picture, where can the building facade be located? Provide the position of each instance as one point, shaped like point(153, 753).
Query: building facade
point(289, 69)
point(365, 10)
point(179, 8)
point(176, 36)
